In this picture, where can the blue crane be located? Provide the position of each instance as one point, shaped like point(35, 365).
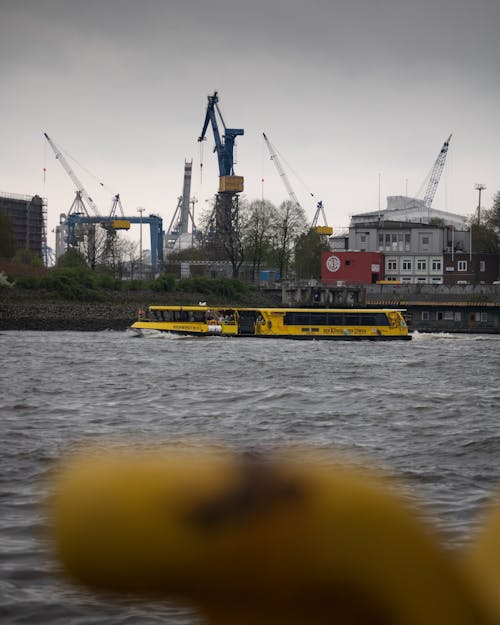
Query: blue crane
point(224, 146)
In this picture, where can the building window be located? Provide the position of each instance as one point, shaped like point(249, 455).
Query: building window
point(458, 316)
point(406, 279)
point(406, 264)
point(484, 316)
point(362, 238)
point(421, 264)
point(425, 241)
point(436, 264)
point(437, 280)
point(392, 264)
point(407, 242)
point(422, 280)
point(482, 265)
point(380, 241)
point(448, 315)
point(462, 265)
point(425, 315)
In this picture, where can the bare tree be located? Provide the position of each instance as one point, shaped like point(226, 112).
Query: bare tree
point(257, 231)
point(290, 222)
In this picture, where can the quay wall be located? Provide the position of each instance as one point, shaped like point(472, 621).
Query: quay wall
point(38, 310)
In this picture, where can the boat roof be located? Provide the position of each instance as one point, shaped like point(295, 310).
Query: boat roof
point(204, 308)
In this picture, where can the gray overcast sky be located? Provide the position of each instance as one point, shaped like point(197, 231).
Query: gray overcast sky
point(351, 92)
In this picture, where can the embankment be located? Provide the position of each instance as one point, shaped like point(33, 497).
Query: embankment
point(41, 310)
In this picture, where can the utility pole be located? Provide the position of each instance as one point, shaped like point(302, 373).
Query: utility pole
point(140, 210)
point(479, 187)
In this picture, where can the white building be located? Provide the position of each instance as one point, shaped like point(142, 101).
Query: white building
point(402, 208)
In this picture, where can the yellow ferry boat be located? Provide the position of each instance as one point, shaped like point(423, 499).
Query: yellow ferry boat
point(289, 323)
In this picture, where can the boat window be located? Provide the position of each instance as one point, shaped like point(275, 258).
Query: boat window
point(367, 320)
point(381, 319)
point(351, 320)
point(319, 319)
point(335, 319)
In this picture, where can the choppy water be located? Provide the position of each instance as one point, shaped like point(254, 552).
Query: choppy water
point(426, 409)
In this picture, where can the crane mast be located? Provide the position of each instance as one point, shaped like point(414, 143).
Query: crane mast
point(224, 222)
point(79, 186)
point(281, 171)
point(435, 174)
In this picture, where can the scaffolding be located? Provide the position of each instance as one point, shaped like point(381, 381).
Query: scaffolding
point(28, 219)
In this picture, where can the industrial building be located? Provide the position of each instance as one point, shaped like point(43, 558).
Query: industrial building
point(28, 218)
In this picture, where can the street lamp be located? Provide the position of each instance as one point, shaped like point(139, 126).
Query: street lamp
point(479, 187)
point(140, 210)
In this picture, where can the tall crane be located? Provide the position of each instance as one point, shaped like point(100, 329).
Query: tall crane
point(326, 229)
point(224, 146)
point(81, 191)
point(277, 163)
point(224, 221)
point(435, 174)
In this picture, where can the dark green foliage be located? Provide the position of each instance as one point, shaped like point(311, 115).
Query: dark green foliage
point(28, 282)
point(484, 239)
point(27, 257)
point(134, 285)
point(108, 282)
point(71, 282)
point(492, 216)
point(72, 258)
point(164, 282)
point(308, 251)
point(7, 240)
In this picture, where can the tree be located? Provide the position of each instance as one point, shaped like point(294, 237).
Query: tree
point(492, 216)
point(72, 259)
point(28, 257)
point(308, 251)
point(289, 223)
point(484, 239)
point(7, 240)
point(257, 233)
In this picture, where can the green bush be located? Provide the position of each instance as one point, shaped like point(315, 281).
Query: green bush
point(28, 282)
point(71, 282)
point(106, 281)
point(164, 282)
point(134, 285)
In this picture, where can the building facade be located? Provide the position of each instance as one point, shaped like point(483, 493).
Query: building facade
point(28, 216)
point(421, 253)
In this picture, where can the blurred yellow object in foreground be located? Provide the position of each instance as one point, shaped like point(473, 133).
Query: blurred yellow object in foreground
point(255, 540)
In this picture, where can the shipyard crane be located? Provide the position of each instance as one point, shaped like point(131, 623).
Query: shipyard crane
point(326, 229)
point(435, 174)
point(179, 224)
point(224, 220)
point(277, 163)
point(224, 146)
point(81, 191)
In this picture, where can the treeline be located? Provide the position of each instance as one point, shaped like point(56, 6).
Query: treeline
point(72, 278)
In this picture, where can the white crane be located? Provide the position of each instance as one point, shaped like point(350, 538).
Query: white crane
point(435, 174)
point(319, 206)
point(281, 171)
point(81, 191)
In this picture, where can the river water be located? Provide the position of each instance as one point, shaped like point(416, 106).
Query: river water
point(426, 410)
